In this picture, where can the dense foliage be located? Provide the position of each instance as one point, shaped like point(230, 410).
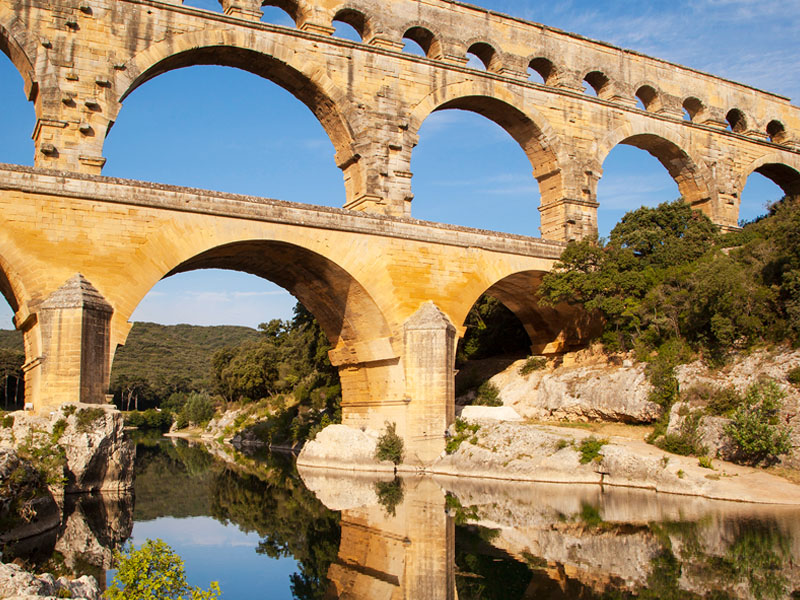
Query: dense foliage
point(154, 572)
point(667, 274)
point(755, 427)
point(287, 368)
point(158, 361)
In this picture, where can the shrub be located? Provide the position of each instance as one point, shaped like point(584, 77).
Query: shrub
point(723, 402)
point(533, 363)
point(7, 421)
point(46, 455)
point(755, 429)
point(794, 376)
point(688, 440)
point(68, 410)
point(86, 417)
point(589, 449)
point(153, 572)
point(488, 395)
point(390, 445)
point(198, 410)
point(149, 419)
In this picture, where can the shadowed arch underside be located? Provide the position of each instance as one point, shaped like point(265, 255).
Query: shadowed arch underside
point(784, 176)
point(693, 186)
point(551, 329)
point(342, 306)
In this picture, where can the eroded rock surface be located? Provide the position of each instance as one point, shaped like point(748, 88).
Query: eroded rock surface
point(18, 584)
point(344, 448)
point(99, 456)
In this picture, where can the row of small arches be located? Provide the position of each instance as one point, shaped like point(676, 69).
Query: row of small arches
point(354, 25)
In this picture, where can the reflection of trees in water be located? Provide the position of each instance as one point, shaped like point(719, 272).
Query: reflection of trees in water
point(289, 519)
point(264, 496)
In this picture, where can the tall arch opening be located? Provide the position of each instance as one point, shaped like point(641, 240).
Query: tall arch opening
point(468, 171)
point(646, 170)
point(18, 115)
point(217, 127)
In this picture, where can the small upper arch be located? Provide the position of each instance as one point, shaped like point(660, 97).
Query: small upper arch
point(737, 121)
point(597, 83)
point(777, 132)
point(694, 109)
point(649, 96)
point(290, 7)
point(356, 19)
point(544, 68)
point(486, 53)
point(426, 39)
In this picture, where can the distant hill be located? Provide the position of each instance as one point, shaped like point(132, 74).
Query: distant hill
point(173, 357)
point(11, 339)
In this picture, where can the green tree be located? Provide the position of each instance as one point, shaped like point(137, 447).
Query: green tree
point(154, 572)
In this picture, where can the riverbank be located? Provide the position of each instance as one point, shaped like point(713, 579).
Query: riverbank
point(503, 451)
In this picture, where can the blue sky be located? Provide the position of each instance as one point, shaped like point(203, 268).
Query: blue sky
point(228, 130)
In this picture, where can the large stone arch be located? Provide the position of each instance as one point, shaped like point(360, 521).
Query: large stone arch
point(264, 57)
point(525, 125)
point(344, 309)
point(694, 181)
point(781, 168)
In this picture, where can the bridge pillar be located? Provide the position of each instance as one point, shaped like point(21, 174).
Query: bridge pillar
point(74, 328)
point(429, 344)
point(568, 219)
point(244, 9)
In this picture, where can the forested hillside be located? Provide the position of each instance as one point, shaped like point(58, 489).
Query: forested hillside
point(11, 339)
point(158, 360)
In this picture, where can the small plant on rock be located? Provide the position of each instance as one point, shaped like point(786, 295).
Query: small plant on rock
point(590, 450)
point(464, 430)
point(86, 417)
point(531, 364)
point(794, 377)
point(705, 462)
point(390, 445)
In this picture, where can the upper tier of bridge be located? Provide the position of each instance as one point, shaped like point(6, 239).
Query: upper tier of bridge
point(81, 58)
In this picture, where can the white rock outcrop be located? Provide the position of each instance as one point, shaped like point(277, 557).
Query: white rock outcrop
point(344, 448)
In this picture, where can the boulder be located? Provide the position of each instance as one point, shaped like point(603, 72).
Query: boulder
point(588, 390)
point(344, 448)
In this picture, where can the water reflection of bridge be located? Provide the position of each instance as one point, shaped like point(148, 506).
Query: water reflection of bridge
point(566, 541)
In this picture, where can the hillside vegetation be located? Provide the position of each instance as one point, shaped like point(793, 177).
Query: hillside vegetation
point(160, 360)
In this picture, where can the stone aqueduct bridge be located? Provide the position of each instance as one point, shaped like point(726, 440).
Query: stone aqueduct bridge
point(390, 292)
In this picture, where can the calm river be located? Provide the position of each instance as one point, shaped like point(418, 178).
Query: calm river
point(263, 530)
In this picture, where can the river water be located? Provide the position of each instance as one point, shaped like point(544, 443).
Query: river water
point(263, 530)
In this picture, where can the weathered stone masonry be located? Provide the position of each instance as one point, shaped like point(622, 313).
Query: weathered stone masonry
point(79, 251)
